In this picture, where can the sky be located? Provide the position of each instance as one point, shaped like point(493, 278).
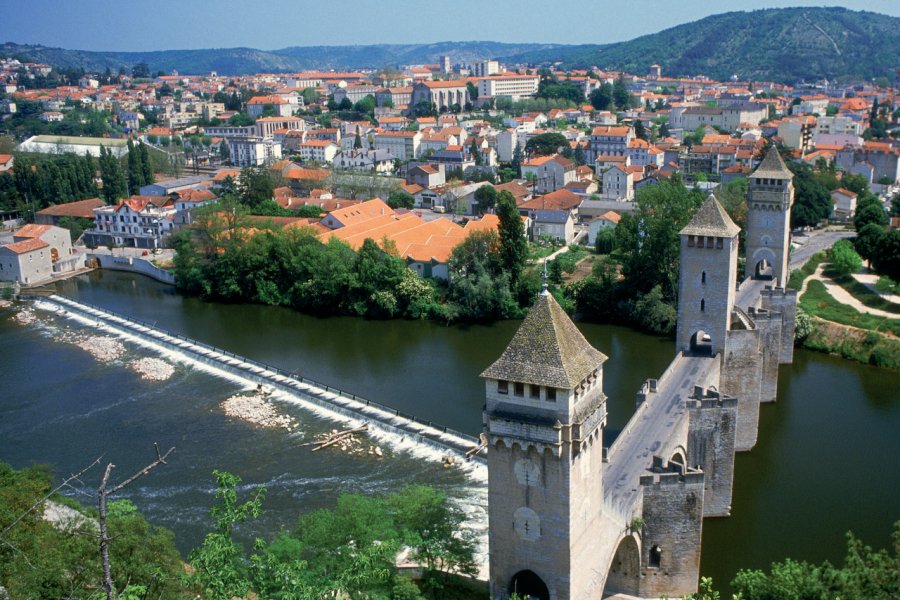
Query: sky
point(131, 25)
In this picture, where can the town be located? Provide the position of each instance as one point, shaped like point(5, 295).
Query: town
point(755, 223)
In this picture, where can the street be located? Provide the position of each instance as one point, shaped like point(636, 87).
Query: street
point(813, 242)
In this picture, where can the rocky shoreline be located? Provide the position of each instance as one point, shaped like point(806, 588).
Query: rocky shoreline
point(256, 408)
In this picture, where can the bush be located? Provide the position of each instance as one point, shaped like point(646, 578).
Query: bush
point(844, 259)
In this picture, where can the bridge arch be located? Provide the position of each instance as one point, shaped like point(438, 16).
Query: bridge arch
point(701, 343)
point(763, 261)
point(624, 574)
point(527, 584)
point(679, 456)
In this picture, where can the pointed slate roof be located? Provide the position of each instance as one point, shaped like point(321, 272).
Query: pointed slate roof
point(711, 220)
point(772, 167)
point(547, 350)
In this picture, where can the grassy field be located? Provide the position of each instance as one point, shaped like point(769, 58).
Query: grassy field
point(865, 295)
point(819, 303)
point(808, 268)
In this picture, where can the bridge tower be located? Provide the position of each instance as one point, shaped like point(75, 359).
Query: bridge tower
point(544, 418)
point(707, 281)
point(769, 200)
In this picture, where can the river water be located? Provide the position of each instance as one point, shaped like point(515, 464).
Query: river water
point(826, 461)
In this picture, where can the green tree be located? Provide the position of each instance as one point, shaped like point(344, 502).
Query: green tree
point(606, 240)
point(868, 240)
point(366, 105)
point(114, 183)
point(485, 199)
point(545, 144)
point(513, 247)
point(476, 153)
point(218, 562)
point(400, 198)
point(602, 97)
point(146, 164)
point(135, 172)
point(621, 96)
point(639, 131)
point(887, 259)
point(255, 186)
point(648, 238)
point(844, 259)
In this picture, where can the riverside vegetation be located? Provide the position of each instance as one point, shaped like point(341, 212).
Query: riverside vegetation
point(351, 548)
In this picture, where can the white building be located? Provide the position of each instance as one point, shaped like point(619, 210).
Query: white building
point(253, 151)
point(136, 222)
point(320, 151)
point(508, 85)
point(402, 145)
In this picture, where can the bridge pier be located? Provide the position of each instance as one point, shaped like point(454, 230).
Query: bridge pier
point(741, 379)
point(711, 439)
point(673, 523)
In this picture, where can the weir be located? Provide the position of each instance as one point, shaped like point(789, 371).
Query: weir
point(322, 399)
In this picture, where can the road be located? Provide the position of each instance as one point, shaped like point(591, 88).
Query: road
point(813, 242)
point(650, 429)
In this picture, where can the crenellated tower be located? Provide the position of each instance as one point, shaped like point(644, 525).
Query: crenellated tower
point(769, 200)
point(544, 418)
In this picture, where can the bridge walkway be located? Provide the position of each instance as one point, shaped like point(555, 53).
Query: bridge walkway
point(650, 430)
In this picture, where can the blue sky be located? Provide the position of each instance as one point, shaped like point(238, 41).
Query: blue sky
point(272, 24)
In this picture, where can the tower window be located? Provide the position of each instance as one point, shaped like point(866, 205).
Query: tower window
point(551, 394)
point(690, 241)
point(502, 387)
point(720, 243)
point(519, 388)
point(535, 391)
point(655, 556)
point(702, 305)
point(703, 277)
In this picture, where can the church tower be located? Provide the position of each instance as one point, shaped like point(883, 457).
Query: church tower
point(707, 279)
point(769, 200)
point(544, 417)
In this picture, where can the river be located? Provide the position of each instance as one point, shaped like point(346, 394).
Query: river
point(826, 461)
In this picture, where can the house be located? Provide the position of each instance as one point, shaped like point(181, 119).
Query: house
point(560, 200)
point(136, 222)
point(356, 214)
point(36, 253)
point(379, 161)
point(606, 220)
point(549, 173)
point(556, 224)
point(81, 209)
point(426, 175)
point(618, 184)
point(442, 94)
point(188, 200)
point(844, 204)
point(403, 145)
point(282, 106)
point(172, 186)
point(318, 151)
point(609, 140)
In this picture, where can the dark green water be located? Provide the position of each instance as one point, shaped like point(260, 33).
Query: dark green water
point(826, 462)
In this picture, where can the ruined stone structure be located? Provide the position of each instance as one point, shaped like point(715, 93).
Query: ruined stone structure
point(573, 519)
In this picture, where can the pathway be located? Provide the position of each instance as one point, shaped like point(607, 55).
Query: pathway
point(842, 295)
point(870, 280)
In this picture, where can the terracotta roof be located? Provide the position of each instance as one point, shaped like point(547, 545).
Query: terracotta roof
point(24, 246)
point(845, 192)
point(31, 231)
point(81, 208)
point(711, 220)
point(559, 200)
point(773, 167)
point(548, 349)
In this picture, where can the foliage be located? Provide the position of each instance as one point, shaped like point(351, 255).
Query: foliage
point(401, 199)
point(55, 561)
point(868, 239)
point(485, 199)
point(844, 259)
point(114, 183)
point(816, 301)
point(76, 226)
point(37, 184)
point(869, 211)
point(256, 186)
point(887, 259)
point(866, 574)
point(513, 247)
point(545, 144)
point(602, 97)
point(480, 287)
point(550, 87)
point(812, 203)
point(606, 240)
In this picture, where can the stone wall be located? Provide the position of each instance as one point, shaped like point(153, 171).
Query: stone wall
point(741, 378)
point(711, 447)
point(673, 522)
point(784, 302)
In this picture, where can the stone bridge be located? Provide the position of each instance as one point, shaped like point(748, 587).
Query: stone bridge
point(571, 518)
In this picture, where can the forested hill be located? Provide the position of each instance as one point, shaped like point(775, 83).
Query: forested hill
point(240, 61)
point(784, 44)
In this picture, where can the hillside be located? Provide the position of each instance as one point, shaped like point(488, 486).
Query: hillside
point(239, 61)
point(783, 44)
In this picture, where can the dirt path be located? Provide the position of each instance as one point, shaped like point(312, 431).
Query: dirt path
point(842, 295)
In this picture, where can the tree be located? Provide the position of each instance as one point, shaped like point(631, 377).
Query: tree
point(648, 238)
point(621, 96)
point(869, 212)
point(114, 184)
point(639, 130)
point(868, 240)
point(366, 105)
point(135, 171)
point(602, 97)
point(545, 144)
point(485, 199)
point(887, 259)
point(140, 71)
point(844, 259)
point(255, 186)
point(513, 248)
point(401, 199)
point(606, 240)
point(476, 153)
point(473, 90)
point(146, 164)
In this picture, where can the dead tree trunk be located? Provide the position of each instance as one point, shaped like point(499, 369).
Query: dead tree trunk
point(104, 492)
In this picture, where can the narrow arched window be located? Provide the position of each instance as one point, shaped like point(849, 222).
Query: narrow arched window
point(703, 277)
point(702, 305)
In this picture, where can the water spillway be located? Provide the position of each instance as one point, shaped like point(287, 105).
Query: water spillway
point(395, 427)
